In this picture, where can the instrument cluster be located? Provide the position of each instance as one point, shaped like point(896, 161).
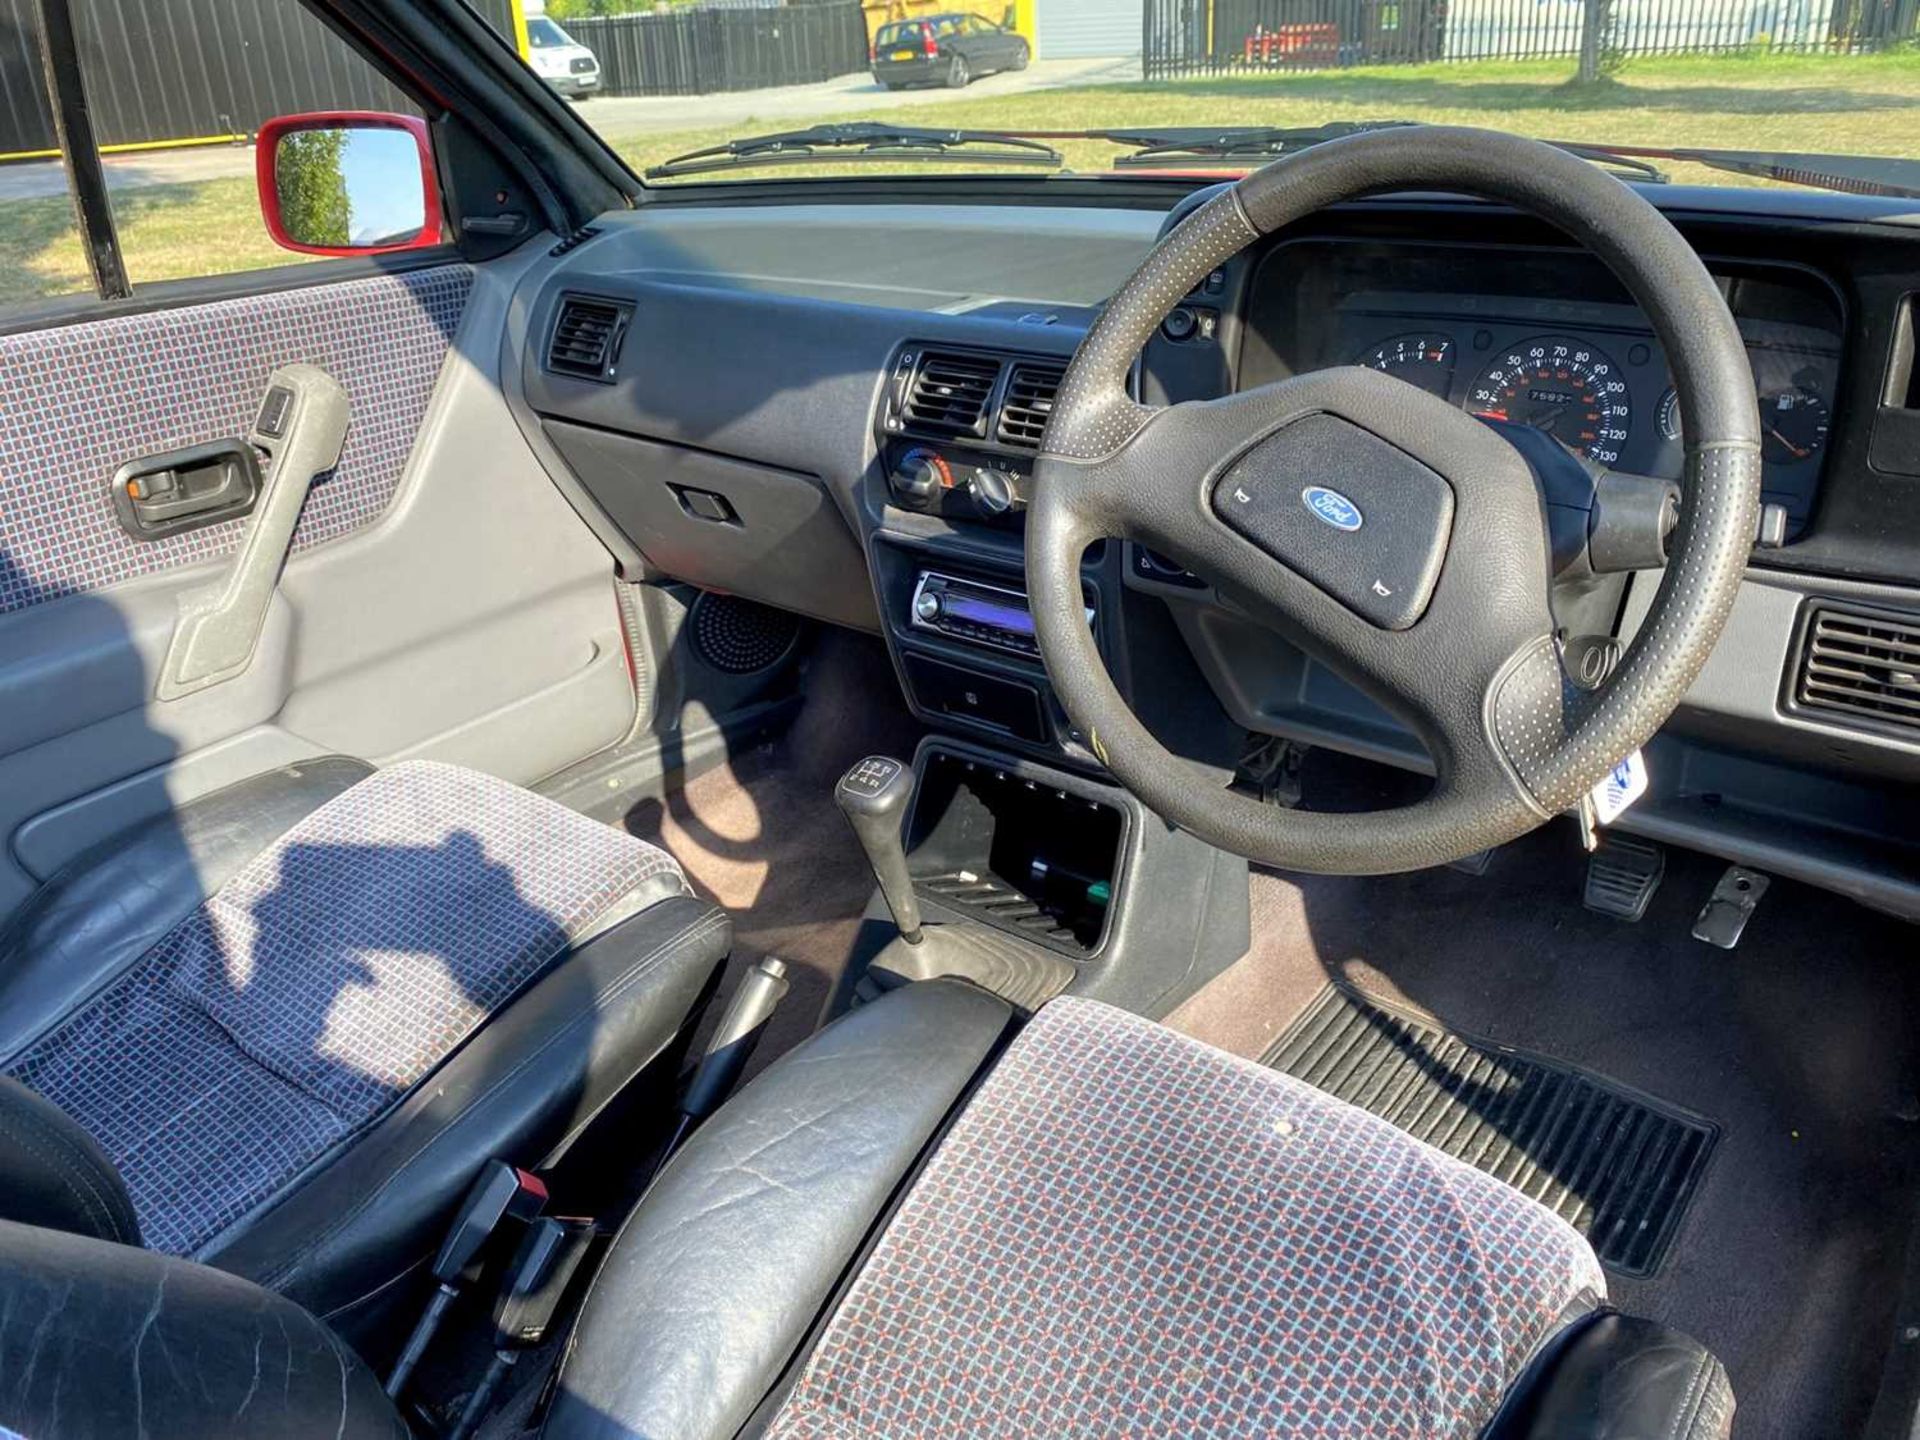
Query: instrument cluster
point(1549, 340)
point(1572, 389)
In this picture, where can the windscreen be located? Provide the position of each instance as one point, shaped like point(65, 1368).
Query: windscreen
point(1831, 77)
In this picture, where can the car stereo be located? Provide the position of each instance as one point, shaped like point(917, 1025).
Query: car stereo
point(976, 613)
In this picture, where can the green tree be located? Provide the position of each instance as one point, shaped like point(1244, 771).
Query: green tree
point(308, 173)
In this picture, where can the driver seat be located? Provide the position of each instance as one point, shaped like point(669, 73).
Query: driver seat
point(915, 1228)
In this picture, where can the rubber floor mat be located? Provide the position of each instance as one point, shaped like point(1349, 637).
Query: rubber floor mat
point(1617, 1165)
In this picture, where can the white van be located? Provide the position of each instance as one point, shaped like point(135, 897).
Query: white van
point(560, 60)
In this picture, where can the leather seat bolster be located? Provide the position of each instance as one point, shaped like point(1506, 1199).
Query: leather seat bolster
point(519, 1089)
point(716, 1279)
point(56, 1173)
point(1618, 1377)
point(111, 904)
point(103, 1340)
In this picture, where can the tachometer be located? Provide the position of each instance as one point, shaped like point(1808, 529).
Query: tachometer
point(1423, 360)
point(1564, 387)
point(1793, 426)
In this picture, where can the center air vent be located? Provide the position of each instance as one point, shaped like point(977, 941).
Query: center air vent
point(950, 392)
point(586, 338)
point(1863, 663)
point(1031, 390)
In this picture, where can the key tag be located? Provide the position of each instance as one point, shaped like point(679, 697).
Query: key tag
point(1625, 783)
point(1608, 800)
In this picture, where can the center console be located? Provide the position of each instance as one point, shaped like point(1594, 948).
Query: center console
point(1022, 858)
point(1029, 880)
point(956, 432)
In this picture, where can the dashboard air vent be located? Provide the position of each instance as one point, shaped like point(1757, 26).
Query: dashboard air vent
point(586, 338)
point(950, 393)
point(1862, 663)
point(1031, 389)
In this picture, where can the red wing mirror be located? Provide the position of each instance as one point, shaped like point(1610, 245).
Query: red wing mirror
point(348, 182)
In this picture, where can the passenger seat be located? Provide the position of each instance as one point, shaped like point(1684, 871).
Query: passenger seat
point(279, 1030)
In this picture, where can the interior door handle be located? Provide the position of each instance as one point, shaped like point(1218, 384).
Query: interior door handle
point(301, 427)
point(161, 495)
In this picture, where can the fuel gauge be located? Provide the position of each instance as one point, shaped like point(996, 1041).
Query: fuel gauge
point(1793, 426)
point(1667, 416)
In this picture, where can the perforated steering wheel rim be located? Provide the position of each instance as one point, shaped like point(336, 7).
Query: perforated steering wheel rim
point(1476, 673)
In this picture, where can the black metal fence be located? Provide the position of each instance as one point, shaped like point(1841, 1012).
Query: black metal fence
point(161, 70)
point(1192, 37)
point(698, 51)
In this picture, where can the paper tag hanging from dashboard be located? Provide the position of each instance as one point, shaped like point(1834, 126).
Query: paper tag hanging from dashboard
point(1624, 784)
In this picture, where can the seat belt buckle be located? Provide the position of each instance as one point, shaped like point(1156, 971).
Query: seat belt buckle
point(500, 1192)
point(537, 1281)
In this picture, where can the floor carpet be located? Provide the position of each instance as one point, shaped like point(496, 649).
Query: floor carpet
point(761, 837)
point(1800, 1044)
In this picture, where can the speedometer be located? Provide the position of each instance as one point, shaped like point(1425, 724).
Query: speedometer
point(1564, 387)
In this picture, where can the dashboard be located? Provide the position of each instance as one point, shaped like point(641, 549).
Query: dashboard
point(1547, 338)
point(834, 409)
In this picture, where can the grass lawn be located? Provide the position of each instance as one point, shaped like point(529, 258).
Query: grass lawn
point(167, 232)
point(1848, 105)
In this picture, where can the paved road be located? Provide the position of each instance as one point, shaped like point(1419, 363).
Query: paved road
point(618, 117)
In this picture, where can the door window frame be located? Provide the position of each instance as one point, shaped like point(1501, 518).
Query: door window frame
point(113, 291)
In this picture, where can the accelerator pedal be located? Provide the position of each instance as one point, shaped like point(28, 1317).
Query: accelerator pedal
point(1622, 877)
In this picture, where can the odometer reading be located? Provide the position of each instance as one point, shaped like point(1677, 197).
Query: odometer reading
point(1561, 386)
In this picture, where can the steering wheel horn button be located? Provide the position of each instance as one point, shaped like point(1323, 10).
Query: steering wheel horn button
point(1360, 518)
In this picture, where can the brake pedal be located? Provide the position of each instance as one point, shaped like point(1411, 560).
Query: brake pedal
point(1623, 876)
point(1723, 919)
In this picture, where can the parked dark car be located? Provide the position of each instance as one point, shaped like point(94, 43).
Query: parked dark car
point(945, 50)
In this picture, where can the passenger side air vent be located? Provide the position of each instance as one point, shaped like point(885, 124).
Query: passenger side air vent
point(586, 338)
point(950, 392)
point(1031, 389)
point(1862, 663)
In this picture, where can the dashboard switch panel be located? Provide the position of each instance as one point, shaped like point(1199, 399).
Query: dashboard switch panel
point(1364, 521)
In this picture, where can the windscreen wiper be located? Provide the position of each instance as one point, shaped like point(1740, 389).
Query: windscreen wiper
point(1208, 145)
point(862, 140)
point(1852, 174)
point(1198, 147)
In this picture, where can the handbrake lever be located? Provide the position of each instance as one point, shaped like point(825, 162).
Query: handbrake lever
point(732, 1042)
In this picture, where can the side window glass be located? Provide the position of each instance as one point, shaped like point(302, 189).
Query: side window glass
point(42, 256)
point(41, 253)
point(176, 137)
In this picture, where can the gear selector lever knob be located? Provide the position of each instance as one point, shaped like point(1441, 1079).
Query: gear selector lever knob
point(874, 795)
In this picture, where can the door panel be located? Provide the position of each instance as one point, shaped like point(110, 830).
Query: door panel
point(441, 598)
point(82, 400)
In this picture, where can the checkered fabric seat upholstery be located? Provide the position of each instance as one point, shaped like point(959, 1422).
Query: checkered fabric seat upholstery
point(1127, 1233)
point(324, 981)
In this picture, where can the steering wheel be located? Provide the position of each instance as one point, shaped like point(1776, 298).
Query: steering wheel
point(1397, 538)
